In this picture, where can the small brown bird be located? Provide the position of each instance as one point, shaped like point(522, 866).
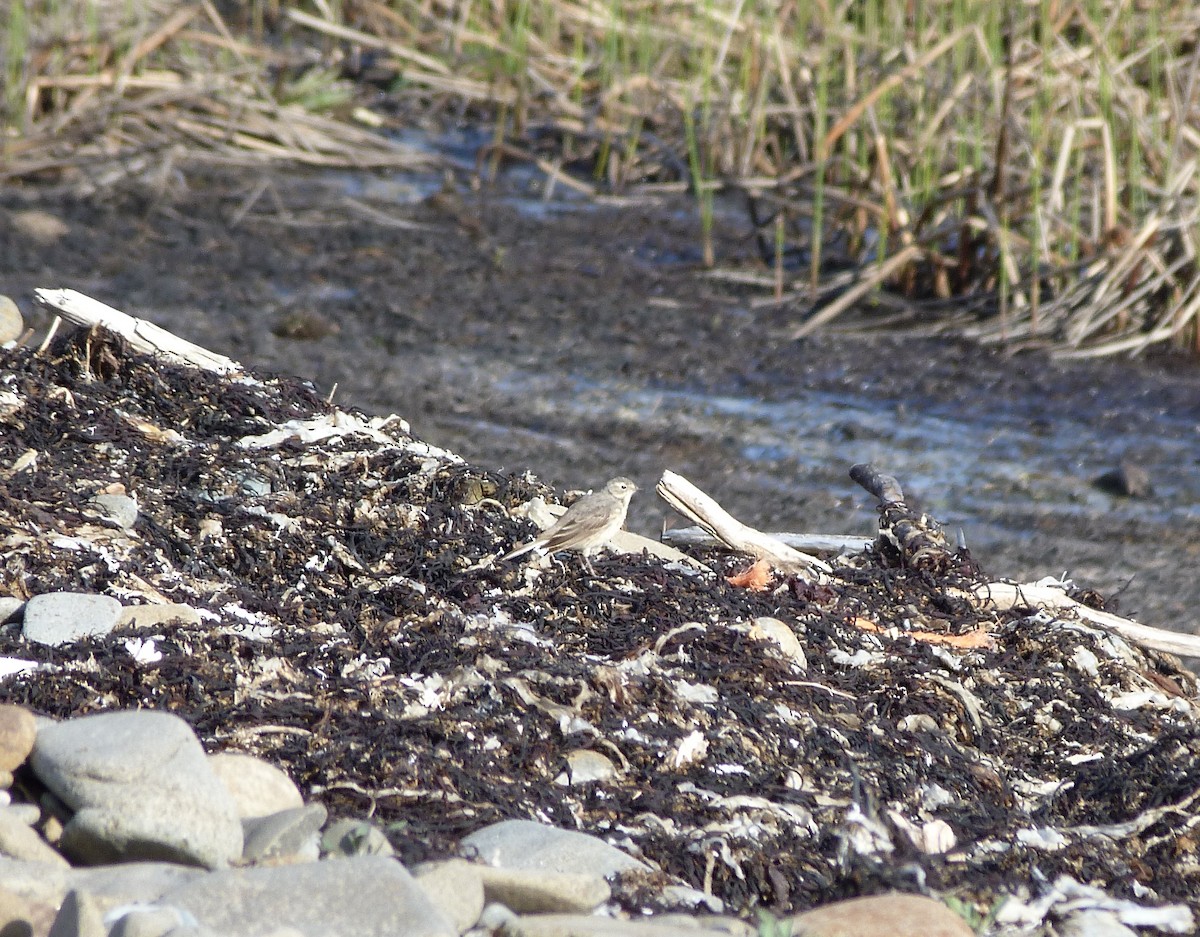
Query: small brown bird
point(588, 524)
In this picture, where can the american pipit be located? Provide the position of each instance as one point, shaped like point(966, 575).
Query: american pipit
point(588, 524)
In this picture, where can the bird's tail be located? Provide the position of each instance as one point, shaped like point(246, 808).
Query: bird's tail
point(533, 544)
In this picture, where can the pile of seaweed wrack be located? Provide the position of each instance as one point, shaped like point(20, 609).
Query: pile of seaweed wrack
point(356, 634)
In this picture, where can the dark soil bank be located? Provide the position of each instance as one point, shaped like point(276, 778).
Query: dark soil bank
point(587, 343)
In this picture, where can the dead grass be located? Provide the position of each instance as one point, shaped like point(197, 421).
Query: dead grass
point(1022, 174)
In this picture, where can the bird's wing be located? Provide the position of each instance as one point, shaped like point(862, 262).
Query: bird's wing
point(564, 532)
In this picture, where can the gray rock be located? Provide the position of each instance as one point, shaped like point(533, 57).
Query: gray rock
point(79, 917)
point(290, 835)
point(344, 838)
point(121, 509)
point(11, 324)
point(58, 618)
point(536, 891)
point(455, 888)
point(151, 616)
point(132, 883)
point(526, 844)
point(577, 925)
point(367, 896)
point(20, 841)
point(39, 882)
point(730, 926)
point(141, 788)
point(258, 788)
point(893, 915)
point(11, 608)
point(17, 732)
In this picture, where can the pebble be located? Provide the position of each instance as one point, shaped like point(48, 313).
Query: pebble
point(121, 509)
point(777, 633)
point(367, 896)
point(1128, 480)
point(585, 766)
point(16, 914)
point(537, 891)
point(496, 917)
point(258, 788)
point(17, 732)
point(685, 896)
point(348, 837)
point(455, 888)
point(58, 618)
point(19, 840)
point(142, 789)
point(29, 814)
point(527, 844)
point(39, 226)
point(12, 326)
point(150, 921)
point(151, 616)
point(11, 608)
point(288, 836)
point(880, 916)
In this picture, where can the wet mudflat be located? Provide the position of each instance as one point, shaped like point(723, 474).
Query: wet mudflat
point(585, 343)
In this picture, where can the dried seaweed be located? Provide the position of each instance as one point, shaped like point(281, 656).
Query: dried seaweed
point(355, 634)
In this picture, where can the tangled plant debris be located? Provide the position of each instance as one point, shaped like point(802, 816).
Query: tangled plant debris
point(775, 748)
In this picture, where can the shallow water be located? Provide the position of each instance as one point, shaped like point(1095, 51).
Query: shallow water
point(527, 334)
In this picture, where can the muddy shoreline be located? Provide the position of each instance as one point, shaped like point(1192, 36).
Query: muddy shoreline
point(585, 343)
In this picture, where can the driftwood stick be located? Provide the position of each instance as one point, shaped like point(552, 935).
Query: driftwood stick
point(816, 543)
point(883, 487)
point(142, 335)
point(916, 537)
point(694, 504)
point(1049, 595)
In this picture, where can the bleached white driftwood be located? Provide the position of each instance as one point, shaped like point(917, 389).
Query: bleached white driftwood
point(822, 543)
point(1048, 594)
point(142, 335)
point(694, 504)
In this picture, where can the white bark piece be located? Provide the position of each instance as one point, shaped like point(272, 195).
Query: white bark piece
point(694, 504)
point(143, 336)
point(824, 543)
point(1050, 595)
